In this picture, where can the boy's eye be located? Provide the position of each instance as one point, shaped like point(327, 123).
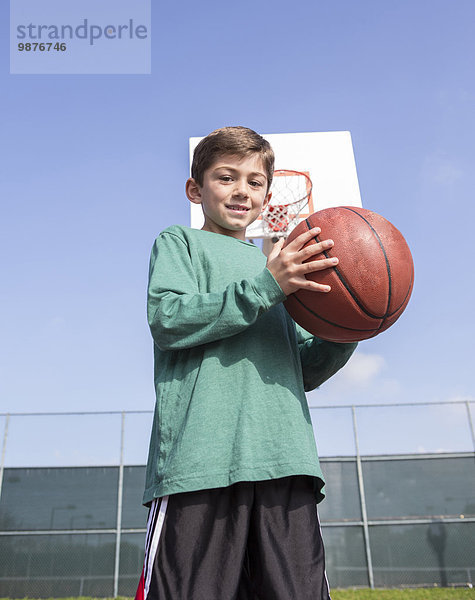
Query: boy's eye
point(256, 183)
point(225, 177)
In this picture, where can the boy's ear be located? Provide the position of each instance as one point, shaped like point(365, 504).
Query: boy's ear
point(193, 191)
point(267, 200)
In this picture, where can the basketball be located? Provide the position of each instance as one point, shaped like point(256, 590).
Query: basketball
point(370, 286)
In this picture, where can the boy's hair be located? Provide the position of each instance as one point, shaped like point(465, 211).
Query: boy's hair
point(238, 141)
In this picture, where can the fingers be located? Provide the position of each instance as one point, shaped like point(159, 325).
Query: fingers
point(319, 265)
point(312, 249)
point(298, 245)
point(303, 238)
point(290, 264)
point(276, 248)
point(311, 267)
point(313, 286)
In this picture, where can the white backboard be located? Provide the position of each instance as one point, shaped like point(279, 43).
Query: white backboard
point(328, 159)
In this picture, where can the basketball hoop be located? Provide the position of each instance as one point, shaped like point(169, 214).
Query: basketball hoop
point(291, 192)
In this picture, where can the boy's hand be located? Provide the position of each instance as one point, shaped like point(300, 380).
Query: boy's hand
point(288, 265)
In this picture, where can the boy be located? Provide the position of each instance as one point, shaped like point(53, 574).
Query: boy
point(233, 476)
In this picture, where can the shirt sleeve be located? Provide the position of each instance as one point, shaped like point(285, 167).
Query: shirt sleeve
point(321, 359)
point(180, 316)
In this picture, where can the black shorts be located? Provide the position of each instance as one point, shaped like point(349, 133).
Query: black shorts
point(250, 541)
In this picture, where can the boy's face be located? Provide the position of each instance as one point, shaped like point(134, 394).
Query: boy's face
point(233, 194)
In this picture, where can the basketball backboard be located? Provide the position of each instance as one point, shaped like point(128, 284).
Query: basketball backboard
point(328, 159)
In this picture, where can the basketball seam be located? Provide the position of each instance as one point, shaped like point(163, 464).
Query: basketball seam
point(345, 283)
point(406, 297)
point(388, 266)
point(331, 322)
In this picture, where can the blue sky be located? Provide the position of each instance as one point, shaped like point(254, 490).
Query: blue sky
point(93, 167)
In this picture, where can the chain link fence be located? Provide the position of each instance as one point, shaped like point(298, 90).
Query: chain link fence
point(399, 511)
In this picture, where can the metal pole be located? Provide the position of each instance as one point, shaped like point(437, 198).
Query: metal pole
point(470, 423)
point(363, 502)
point(119, 508)
point(4, 449)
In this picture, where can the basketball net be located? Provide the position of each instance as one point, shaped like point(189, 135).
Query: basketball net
point(290, 194)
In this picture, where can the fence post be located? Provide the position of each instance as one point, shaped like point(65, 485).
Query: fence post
point(4, 448)
point(363, 502)
point(470, 423)
point(119, 508)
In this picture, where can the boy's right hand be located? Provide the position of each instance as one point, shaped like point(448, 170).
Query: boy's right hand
point(288, 265)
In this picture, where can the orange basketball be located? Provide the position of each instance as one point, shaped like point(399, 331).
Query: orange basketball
point(370, 286)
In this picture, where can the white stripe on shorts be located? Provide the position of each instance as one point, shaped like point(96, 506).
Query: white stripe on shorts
point(155, 521)
point(325, 571)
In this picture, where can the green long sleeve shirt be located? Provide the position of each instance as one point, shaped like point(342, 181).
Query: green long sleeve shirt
point(231, 368)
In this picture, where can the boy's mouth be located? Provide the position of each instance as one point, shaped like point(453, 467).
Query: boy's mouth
point(237, 207)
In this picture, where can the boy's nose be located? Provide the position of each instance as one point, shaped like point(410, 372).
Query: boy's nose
point(240, 188)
